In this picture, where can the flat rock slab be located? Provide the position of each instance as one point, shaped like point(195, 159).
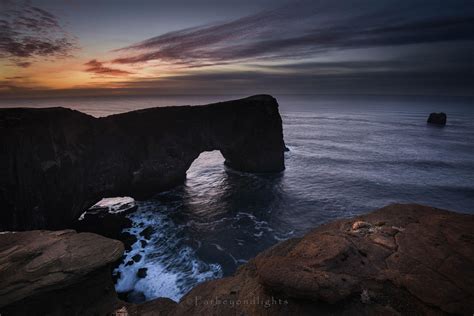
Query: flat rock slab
point(36, 262)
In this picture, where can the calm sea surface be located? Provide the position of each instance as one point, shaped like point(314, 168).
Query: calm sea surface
point(348, 155)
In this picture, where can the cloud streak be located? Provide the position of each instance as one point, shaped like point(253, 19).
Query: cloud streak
point(28, 32)
point(97, 67)
point(324, 78)
point(305, 30)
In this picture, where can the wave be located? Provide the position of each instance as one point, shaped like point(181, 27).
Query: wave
point(172, 268)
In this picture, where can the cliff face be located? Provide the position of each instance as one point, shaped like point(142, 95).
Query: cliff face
point(56, 162)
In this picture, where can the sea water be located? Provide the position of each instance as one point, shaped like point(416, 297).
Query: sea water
point(348, 155)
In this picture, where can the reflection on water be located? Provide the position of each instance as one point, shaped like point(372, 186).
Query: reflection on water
point(202, 230)
point(230, 212)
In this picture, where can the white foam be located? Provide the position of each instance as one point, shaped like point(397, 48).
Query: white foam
point(115, 204)
point(82, 216)
point(219, 247)
point(284, 237)
point(172, 268)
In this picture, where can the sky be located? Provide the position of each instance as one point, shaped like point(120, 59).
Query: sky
point(154, 47)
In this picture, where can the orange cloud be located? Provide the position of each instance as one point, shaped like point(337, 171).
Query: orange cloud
point(97, 67)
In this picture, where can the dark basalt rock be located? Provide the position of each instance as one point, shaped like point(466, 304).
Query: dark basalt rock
point(108, 225)
point(141, 273)
point(437, 118)
point(136, 257)
point(127, 239)
point(107, 218)
point(146, 233)
point(55, 163)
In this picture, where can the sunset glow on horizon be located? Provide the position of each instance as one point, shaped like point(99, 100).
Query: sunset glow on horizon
point(106, 47)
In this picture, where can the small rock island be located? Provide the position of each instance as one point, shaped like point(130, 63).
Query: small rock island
point(437, 119)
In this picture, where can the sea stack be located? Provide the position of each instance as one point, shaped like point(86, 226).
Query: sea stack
point(437, 118)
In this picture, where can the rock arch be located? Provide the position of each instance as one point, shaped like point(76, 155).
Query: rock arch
point(56, 162)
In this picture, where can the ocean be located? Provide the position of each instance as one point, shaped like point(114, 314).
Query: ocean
point(348, 155)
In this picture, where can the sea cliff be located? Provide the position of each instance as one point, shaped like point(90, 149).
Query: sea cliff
point(56, 162)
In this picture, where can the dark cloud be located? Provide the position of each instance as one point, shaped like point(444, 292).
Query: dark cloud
point(364, 77)
point(23, 64)
point(98, 67)
point(316, 78)
point(306, 29)
point(313, 46)
point(28, 32)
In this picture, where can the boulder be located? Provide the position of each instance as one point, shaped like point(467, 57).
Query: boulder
point(141, 273)
point(56, 162)
point(437, 118)
point(57, 273)
point(107, 217)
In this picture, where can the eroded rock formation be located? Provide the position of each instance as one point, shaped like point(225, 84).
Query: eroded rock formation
point(56, 162)
point(57, 273)
point(398, 260)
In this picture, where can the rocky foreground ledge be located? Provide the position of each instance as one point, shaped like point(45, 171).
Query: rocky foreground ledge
point(57, 273)
point(403, 259)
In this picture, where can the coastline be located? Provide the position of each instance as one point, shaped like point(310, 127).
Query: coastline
point(400, 259)
point(361, 265)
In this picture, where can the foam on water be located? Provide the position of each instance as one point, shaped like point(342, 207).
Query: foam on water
point(172, 267)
